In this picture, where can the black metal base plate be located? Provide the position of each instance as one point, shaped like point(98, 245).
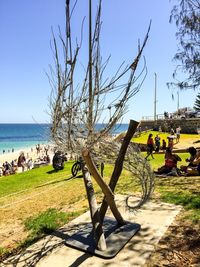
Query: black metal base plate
point(116, 238)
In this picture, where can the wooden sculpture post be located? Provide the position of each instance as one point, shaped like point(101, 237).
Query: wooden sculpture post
point(76, 110)
point(99, 237)
point(97, 217)
point(119, 164)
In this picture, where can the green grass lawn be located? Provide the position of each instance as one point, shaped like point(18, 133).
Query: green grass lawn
point(31, 179)
point(144, 136)
point(46, 175)
point(178, 190)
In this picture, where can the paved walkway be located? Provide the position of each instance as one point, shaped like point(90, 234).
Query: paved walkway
point(51, 251)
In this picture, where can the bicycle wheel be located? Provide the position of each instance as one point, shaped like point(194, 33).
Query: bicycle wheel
point(75, 168)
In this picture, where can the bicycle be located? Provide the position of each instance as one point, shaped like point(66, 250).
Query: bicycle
point(76, 167)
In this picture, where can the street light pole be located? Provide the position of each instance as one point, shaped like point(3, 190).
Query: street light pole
point(155, 95)
point(90, 118)
point(177, 100)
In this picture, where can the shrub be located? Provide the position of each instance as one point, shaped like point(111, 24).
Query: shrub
point(47, 222)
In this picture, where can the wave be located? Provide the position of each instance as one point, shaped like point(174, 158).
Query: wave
point(21, 138)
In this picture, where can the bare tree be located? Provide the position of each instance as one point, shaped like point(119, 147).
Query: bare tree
point(77, 108)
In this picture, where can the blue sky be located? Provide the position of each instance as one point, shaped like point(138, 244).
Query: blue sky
point(25, 53)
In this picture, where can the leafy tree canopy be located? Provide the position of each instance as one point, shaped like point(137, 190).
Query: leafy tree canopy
point(186, 15)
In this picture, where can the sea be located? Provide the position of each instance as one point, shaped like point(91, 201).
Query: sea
point(16, 136)
point(19, 136)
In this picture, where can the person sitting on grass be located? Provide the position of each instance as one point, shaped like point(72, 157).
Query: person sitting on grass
point(193, 153)
point(195, 168)
point(1, 170)
point(21, 161)
point(170, 167)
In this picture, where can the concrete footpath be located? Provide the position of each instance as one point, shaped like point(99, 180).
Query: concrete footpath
point(51, 251)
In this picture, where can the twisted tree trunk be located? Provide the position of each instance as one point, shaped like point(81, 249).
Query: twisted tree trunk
point(94, 212)
point(119, 165)
point(105, 188)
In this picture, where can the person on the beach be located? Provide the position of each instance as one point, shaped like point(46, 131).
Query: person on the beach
point(7, 168)
point(48, 159)
point(38, 149)
point(1, 170)
point(30, 164)
point(21, 161)
point(150, 146)
point(46, 149)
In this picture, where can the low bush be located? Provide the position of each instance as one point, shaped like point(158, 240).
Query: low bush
point(47, 222)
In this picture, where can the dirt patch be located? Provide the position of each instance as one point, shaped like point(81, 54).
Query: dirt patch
point(16, 209)
point(179, 247)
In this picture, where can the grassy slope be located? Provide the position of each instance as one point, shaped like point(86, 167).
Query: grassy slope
point(35, 178)
point(31, 179)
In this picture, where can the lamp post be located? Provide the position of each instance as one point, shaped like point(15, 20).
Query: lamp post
point(155, 95)
point(90, 117)
point(177, 100)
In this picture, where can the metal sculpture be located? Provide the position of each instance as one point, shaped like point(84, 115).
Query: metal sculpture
point(75, 113)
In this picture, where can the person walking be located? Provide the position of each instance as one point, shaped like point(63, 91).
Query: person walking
point(157, 143)
point(150, 146)
point(178, 134)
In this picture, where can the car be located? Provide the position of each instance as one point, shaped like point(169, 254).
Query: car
point(190, 114)
point(197, 115)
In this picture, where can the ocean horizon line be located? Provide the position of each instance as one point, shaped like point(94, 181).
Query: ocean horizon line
point(16, 136)
point(48, 123)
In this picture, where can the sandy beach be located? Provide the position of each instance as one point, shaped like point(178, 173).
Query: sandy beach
point(29, 153)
